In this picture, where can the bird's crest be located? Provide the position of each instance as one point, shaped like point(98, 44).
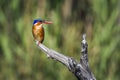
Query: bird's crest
point(37, 20)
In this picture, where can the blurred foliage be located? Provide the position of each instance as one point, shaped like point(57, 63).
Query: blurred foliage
point(20, 59)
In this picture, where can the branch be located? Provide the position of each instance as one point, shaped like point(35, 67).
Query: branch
point(80, 70)
point(53, 54)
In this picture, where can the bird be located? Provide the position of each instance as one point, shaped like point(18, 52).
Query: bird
point(38, 30)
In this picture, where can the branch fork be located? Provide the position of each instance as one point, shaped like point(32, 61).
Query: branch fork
point(80, 69)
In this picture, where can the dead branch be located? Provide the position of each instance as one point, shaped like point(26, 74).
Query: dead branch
point(80, 69)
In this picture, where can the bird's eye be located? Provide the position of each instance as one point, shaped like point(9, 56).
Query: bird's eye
point(40, 21)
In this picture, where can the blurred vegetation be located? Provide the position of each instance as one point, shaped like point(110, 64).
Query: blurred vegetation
point(20, 59)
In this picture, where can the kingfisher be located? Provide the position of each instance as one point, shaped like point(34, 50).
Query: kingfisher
point(38, 30)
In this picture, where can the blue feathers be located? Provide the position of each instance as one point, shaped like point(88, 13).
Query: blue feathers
point(37, 20)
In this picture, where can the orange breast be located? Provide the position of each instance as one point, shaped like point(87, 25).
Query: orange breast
point(38, 33)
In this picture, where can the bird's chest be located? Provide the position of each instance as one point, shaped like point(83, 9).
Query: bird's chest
point(38, 31)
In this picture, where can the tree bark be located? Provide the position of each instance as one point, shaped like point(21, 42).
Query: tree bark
point(80, 69)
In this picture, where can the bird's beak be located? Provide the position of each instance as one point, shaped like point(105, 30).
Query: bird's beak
point(47, 22)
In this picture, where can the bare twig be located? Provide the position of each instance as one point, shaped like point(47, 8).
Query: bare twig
point(80, 70)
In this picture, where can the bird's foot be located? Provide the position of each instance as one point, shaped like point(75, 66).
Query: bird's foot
point(37, 42)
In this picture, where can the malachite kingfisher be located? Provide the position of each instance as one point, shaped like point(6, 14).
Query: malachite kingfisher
point(38, 30)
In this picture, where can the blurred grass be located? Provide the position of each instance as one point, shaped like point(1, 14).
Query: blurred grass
point(20, 59)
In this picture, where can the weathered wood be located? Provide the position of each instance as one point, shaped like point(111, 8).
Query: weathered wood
point(80, 69)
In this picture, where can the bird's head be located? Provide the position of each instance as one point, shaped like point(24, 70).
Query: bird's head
point(40, 21)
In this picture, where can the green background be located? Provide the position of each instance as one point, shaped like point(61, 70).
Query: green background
point(21, 59)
